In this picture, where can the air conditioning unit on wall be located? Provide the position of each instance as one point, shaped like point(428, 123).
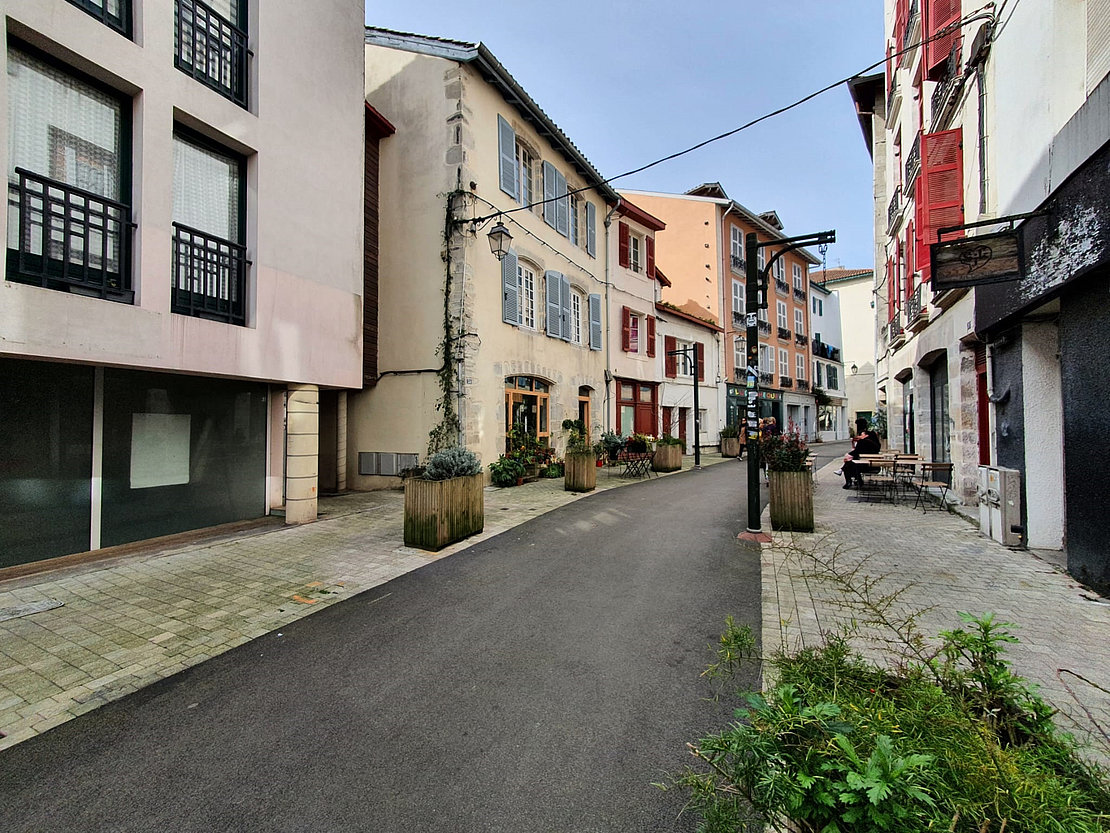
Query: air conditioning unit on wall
point(999, 493)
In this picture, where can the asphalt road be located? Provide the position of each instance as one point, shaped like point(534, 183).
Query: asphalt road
point(539, 681)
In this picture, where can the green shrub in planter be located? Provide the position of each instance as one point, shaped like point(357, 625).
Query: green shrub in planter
point(505, 471)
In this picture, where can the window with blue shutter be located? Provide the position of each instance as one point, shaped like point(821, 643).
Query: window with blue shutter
point(568, 330)
point(562, 208)
point(591, 229)
point(549, 194)
point(554, 292)
point(506, 146)
point(510, 297)
point(595, 322)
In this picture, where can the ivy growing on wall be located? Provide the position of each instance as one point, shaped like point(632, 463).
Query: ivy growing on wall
point(446, 432)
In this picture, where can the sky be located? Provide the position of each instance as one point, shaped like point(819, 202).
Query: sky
point(631, 82)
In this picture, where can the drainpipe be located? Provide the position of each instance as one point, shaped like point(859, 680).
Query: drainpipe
point(608, 364)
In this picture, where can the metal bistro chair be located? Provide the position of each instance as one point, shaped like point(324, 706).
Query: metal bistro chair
point(933, 476)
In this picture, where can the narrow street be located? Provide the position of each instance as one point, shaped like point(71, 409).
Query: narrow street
point(540, 681)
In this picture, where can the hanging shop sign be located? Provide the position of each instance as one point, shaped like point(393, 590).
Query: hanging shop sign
point(973, 261)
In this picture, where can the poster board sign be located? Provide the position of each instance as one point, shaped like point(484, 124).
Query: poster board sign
point(972, 261)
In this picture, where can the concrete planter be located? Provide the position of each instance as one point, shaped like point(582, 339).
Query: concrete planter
point(791, 500)
point(580, 471)
point(667, 458)
point(730, 446)
point(441, 512)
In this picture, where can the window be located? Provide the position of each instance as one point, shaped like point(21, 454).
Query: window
point(556, 211)
point(634, 334)
point(782, 320)
point(210, 259)
point(762, 313)
point(739, 358)
point(634, 245)
point(800, 365)
point(591, 229)
point(527, 408)
point(761, 259)
point(69, 224)
point(799, 322)
point(527, 164)
point(636, 408)
point(737, 300)
point(114, 13)
point(784, 362)
point(737, 246)
point(574, 212)
point(766, 359)
point(833, 376)
point(798, 284)
point(526, 292)
point(818, 306)
point(780, 270)
point(210, 44)
point(576, 318)
point(817, 374)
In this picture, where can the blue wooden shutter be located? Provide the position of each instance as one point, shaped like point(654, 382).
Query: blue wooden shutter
point(568, 330)
point(595, 322)
point(562, 205)
point(549, 193)
point(591, 228)
point(510, 293)
point(554, 293)
point(506, 146)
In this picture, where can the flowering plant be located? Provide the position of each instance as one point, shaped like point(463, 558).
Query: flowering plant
point(784, 452)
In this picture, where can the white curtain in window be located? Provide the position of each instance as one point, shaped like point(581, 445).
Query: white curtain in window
point(206, 189)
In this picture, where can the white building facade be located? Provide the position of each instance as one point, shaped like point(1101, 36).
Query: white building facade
point(832, 421)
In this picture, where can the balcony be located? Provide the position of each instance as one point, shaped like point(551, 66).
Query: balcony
point(211, 49)
point(115, 14)
point(891, 94)
point(947, 297)
point(766, 378)
point(782, 287)
point(894, 209)
point(69, 239)
point(786, 382)
point(209, 276)
point(799, 294)
point(896, 332)
point(916, 310)
point(913, 162)
point(764, 326)
point(784, 333)
point(800, 339)
point(803, 384)
point(739, 374)
point(739, 264)
point(942, 92)
point(912, 18)
point(737, 319)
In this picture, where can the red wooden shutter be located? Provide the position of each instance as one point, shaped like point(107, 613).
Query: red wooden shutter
point(626, 329)
point(670, 365)
point(891, 290)
point(939, 14)
point(649, 249)
point(889, 67)
point(921, 242)
point(651, 336)
point(900, 11)
point(898, 274)
point(622, 245)
point(910, 242)
point(699, 352)
point(942, 189)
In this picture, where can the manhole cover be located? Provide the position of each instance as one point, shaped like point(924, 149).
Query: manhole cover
point(27, 609)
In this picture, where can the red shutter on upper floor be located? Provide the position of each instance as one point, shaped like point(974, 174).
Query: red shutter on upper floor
point(891, 291)
point(909, 260)
point(889, 67)
point(942, 189)
point(649, 249)
point(938, 15)
point(626, 329)
point(622, 245)
point(921, 250)
point(901, 11)
point(651, 336)
point(897, 288)
point(699, 352)
point(670, 365)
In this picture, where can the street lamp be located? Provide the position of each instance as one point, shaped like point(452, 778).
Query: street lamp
point(499, 240)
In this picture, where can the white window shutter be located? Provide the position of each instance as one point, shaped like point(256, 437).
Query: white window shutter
point(568, 330)
point(510, 293)
point(591, 228)
point(562, 205)
point(595, 322)
point(549, 194)
point(506, 146)
point(554, 294)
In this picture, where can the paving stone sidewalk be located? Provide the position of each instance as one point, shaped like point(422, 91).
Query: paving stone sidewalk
point(947, 566)
point(131, 621)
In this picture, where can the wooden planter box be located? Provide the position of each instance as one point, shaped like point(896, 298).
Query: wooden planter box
point(791, 500)
point(441, 512)
point(667, 458)
point(730, 446)
point(580, 472)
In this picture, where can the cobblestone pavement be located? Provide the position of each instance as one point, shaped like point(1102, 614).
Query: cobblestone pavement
point(946, 566)
point(130, 621)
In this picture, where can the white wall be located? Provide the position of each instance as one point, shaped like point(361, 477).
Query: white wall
point(1044, 451)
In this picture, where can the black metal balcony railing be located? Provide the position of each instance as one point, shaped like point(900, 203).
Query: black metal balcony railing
point(893, 208)
point(895, 329)
point(211, 48)
point(891, 94)
point(946, 83)
point(914, 306)
point(913, 162)
point(799, 294)
point(209, 276)
point(803, 384)
point(786, 382)
point(800, 339)
point(69, 239)
point(782, 286)
point(764, 326)
point(739, 264)
point(113, 13)
point(784, 333)
point(737, 318)
point(766, 378)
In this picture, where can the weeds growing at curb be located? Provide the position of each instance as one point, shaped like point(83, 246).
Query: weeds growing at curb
point(934, 734)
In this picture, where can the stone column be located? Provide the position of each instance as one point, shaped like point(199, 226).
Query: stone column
point(302, 445)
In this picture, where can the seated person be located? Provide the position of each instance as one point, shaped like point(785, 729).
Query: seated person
point(867, 442)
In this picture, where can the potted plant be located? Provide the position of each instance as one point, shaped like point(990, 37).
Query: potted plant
point(612, 442)
point(446, 503)
point(579, 462)
point(730, 441)
point(639, 443)
point(668, 454)
point(506, 471)
point(786, 456)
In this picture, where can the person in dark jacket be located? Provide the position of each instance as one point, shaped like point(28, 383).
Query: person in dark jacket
point(867, 442)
